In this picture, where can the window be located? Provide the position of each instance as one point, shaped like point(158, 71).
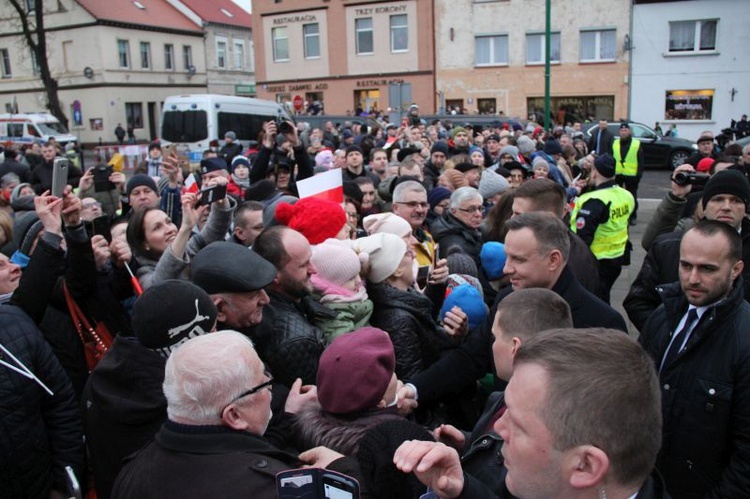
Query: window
point(123, 53)
point(5, 56)
point(134, 114)
point(187, 56)
point(35, 68)
point(399, 33)
point(363, 27)
point(239, 55)
point(598, 45)
point(491, 50)
point(486, 106)
point(221, 52)
point(145, 55)
point(280, 44)
point(688, 104)
point(168, 56)
point(692, 36)
point(311, 34)
point(535, 48)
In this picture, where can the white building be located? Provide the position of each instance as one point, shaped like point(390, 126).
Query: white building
point(691, 64)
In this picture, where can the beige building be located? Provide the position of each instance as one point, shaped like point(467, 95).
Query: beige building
point(490, 57)
point(345, 55)
point(116, 61)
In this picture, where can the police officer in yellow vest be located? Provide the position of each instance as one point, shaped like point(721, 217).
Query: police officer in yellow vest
point(628, 155)
point(600, 219)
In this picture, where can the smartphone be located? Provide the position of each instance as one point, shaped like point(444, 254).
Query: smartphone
point(74, 488)
point(423, 275)
point(60, 169)
point(101, 178)
point(100, 227)
point(167, 150)
point(316, 483)
point(212, 194)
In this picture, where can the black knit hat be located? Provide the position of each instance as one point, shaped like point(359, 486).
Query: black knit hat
point(138, 180)
point(727, 182)
point(170, 313)
point(25, 229)
point(459, 262)
point(605, 164)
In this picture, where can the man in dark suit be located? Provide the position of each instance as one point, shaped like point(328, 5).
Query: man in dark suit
point(601, 140)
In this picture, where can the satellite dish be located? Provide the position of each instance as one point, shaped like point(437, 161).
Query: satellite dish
point(88, 72)
point(191, 70)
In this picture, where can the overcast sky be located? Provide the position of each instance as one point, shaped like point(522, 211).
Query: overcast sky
point(245, 4)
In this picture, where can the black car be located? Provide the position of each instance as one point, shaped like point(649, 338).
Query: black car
point(658, 151)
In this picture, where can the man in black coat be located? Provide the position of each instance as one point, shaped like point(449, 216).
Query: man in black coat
point(601, 140)
point(700, 347)
point(40, 428)
point(12, 165)
point(212, 445)
point(537, 248)
point(567, 432)
point(41, 176)
point(725, 198)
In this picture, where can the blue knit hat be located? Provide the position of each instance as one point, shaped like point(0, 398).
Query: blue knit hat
point(492, 257)
point(470, 301)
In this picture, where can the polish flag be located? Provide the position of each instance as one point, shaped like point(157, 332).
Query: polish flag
point(327, 185)
point(191, 185)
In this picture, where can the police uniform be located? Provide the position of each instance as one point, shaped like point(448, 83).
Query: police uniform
point(629, 159)
point(600, 218)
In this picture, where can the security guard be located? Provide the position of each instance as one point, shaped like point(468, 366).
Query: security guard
point(600, 219)
point(628, 154)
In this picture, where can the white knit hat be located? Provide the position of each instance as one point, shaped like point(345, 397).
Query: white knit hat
point(386, 222)
point(385, 251)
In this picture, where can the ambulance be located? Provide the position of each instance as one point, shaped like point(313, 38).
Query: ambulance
point(24, 128)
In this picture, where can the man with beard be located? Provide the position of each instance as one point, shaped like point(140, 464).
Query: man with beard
point(460, 141)
point(286, 338)
point(700, 347)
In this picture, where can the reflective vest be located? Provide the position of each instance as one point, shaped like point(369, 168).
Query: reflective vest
point(610, 237)
point(629, 165)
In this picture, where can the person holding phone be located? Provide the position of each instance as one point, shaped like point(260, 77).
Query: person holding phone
point(41, 176)
point(272, 160)
point(219, 406)
point(103, 185)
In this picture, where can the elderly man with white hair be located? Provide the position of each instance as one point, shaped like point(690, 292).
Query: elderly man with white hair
point(212, 446)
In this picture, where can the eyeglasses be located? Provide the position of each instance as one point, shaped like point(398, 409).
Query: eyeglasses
point(414, 204)
point(472, 209)
point(251, 391)
point(91, 205)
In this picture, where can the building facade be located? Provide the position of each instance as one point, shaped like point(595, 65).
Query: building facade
point(345, 57)
point(116, 61)
point(691, 66)
point(490, 58)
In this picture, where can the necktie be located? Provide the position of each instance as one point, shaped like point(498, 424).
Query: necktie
point(598, 142)
point(678, 339)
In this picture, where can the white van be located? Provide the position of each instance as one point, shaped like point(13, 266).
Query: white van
point(25, 128)
point(199, 119)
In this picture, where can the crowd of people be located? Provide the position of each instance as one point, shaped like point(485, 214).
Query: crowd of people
point(445, 329)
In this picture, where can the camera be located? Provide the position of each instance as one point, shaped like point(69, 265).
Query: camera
point(283, 126)
point(690, 178)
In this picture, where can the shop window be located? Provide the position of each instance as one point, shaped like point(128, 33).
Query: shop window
point(280, 38)
point(363, 28)
point(535, 48)
point(366, 100)
point(692, 36)
point(688, 104)
point(311, 34)
point(598, 46)
point(399, 33)
point(490, 50)
point(487, 106)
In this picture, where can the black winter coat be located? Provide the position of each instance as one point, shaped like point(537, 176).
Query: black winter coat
point(661, 266)
point(705, 397)
point(448, 231)
point(40, 434)
point(287, 341)
point(124, 406)
point(41, 177)
point(407, 318)
point(213, 462)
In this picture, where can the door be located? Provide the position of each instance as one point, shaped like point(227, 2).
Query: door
point(152, 130)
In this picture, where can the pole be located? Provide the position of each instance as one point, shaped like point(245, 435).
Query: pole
point(547, 47)
point(630, 65)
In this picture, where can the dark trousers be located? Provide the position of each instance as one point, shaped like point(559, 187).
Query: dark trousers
point(609, 271)
point(630, 184)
